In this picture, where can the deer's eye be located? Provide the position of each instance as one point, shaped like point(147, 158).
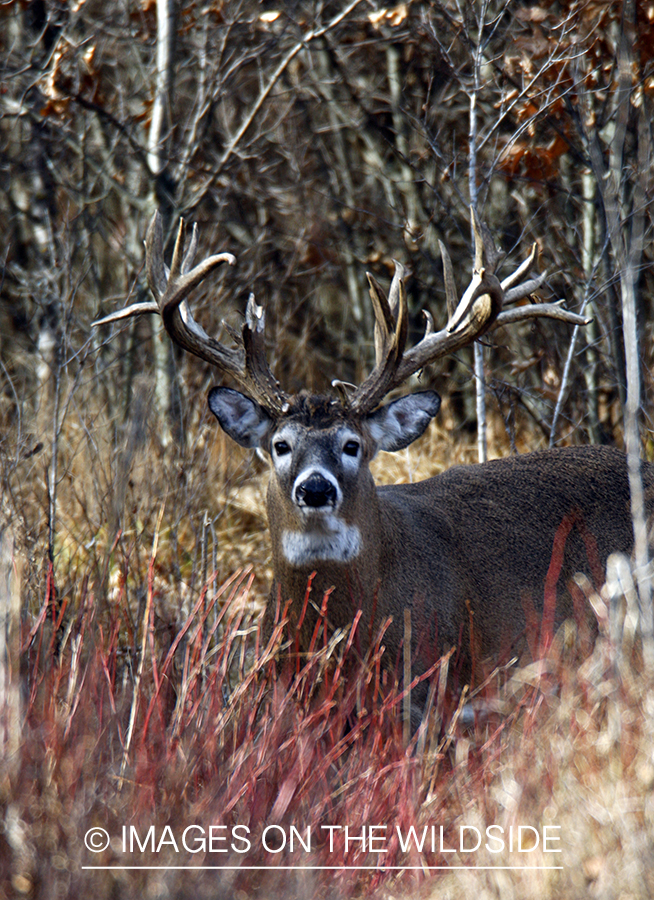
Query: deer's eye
point(351, 448)
point(281, 448)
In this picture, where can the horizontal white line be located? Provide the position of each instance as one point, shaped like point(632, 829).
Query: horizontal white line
point(338, 868)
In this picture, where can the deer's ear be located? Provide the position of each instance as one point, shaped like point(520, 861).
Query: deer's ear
point(398, 424)
point(239, 416)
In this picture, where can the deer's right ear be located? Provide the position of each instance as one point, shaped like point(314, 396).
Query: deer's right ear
point(239, 416)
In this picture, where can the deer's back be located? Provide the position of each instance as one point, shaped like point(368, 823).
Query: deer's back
point(492, 532)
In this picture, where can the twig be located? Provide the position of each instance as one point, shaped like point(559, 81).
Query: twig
point(147, 614)
point(292, 53)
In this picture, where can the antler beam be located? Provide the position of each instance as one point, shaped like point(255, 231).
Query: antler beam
point(170, 287)
point(478, 311)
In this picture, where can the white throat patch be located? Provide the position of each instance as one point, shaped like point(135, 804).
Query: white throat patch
point(334, 541)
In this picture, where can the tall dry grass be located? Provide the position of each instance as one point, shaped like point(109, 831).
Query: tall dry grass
point(146, 701)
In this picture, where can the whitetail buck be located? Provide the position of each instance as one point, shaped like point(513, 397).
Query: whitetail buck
point(467, 551)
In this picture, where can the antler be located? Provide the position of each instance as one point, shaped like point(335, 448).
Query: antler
point(247, 363)
point(479, 310)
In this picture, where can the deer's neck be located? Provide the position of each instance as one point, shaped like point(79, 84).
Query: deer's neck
point(351, 581)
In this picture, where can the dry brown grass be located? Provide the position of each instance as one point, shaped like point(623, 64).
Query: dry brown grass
point(139, 705)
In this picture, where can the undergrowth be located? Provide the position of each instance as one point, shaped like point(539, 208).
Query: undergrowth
point(194, 747)
point(140, 698)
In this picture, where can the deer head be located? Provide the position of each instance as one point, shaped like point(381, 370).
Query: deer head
point(323, 508)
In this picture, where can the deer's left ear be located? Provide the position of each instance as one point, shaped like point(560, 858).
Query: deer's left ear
point(398, 424)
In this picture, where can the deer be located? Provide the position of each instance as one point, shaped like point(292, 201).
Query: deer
point(467, 551)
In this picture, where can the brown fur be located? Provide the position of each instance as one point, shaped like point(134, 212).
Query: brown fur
point(472, 544)
point(469, 552)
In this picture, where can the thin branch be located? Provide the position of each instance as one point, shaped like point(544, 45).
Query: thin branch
point(292, 53)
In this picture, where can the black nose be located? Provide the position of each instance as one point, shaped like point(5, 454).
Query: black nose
point(315, 491)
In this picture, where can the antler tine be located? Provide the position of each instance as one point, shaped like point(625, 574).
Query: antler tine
point(269, 393)
point(178, 254)
point(135, 309)
point(385, 309)
point(521, 271)
point(448, 277)
point(383, 318)
point(480, 304)
point(246, 365)
point(513, 290)
point(480, 248)
point(396, 287)
point(390, 342)
point(484, 286)
point(520, 291)
point(487, 255)
point(429, 323)
point(189, 256)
